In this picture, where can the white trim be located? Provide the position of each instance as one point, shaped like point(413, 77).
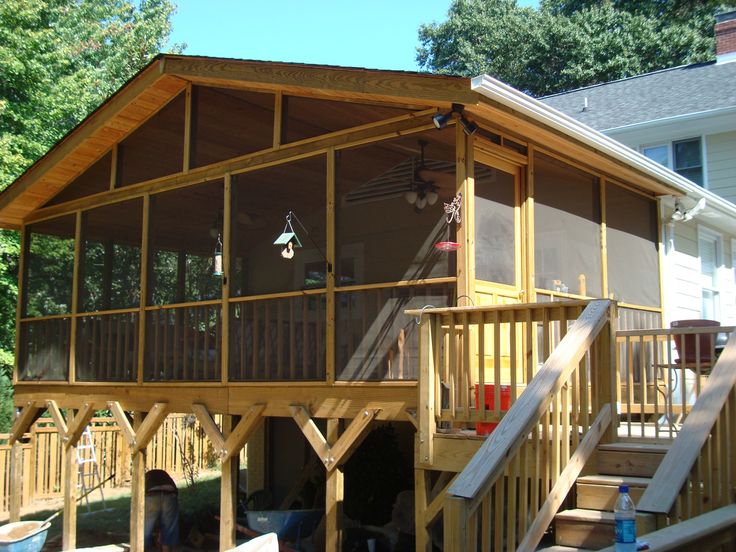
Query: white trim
point(726, 58)
point(679, 119)
point(548, 116)
point(708, 235)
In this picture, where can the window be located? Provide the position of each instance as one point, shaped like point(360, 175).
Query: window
point(688, 160)
point(660, 154)
point(685, 157)
point(711, 259)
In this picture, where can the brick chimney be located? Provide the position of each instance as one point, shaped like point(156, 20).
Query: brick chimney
point(726, 37)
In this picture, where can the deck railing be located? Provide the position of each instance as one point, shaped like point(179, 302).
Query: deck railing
point(279, 338)
point(506, 495)
point(183, 343)
point(698, 473)
point(107, 347)
point(44, 350)
point(661, 374)
point(509, 342)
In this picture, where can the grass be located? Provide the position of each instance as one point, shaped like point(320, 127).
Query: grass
point(111, 525)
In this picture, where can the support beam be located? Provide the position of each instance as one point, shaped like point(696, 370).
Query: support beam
point(336, 455)
point(28, 416)
point(210, 427)
point(334, 491)
point(248, 424)
point(351, 438)
point(69, 524)
point(312, 433)
point(228, 493)
point(122, 419)
point(421, 499)
point(78, 424)
point(57, 417)
point(16, 480)
point(150, 426)
point(137, 491)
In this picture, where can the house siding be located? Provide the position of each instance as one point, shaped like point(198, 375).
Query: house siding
point(721, 160)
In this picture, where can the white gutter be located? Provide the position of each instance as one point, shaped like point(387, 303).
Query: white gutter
point(548, 116)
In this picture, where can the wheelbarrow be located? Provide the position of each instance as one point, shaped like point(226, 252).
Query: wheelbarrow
point(24, 536)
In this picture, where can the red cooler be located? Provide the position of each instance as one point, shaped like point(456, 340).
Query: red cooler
point(486, 428)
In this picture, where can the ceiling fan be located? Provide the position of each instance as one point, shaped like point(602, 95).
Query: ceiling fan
point(683, 215)
point(426, 182)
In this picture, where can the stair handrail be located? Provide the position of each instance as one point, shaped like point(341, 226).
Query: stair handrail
point(673, 471)
point(476, 480)
point(690, 534)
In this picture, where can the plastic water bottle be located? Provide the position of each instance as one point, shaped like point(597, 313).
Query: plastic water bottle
point(625, 515)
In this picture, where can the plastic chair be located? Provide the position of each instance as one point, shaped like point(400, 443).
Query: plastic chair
point(688, 349)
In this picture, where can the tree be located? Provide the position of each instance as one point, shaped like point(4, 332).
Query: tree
point(59, 59)
point(567, 44)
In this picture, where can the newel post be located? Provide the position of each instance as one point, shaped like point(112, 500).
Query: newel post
point(427, 375)
point(607, 377)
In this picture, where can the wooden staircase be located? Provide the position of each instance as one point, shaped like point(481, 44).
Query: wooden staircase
point(590, 526)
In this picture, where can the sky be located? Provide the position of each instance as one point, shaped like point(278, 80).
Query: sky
point(376, 34)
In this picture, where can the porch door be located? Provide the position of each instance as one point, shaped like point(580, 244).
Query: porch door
point(498, 230)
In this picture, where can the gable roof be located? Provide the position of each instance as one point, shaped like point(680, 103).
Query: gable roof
point(168, 75)
point(697, 88)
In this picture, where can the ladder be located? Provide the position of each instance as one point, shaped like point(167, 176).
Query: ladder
point(89, 473)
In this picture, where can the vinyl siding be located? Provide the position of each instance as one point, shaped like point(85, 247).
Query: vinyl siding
point(721, 160)
point(683, 286)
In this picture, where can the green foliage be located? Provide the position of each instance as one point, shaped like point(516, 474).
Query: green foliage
point(565, 45)
point(59, 59)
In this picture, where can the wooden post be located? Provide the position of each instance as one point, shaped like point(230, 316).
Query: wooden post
point(228, 491)
point(146, 262)
point(421, 501)
point(607, 371)
point(426, 414)
point(25, 244)
point(333, 496)
point(330, 291)
point(69, 525)
point(227, 248)
point(76, 286)
point(529, 279)
point(465, 230)
point(16, 480)
point(137, 492)
point(257, 459)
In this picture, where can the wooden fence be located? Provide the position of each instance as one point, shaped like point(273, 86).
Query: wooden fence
point(179, 446)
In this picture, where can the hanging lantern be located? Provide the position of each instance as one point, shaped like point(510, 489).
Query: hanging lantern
point(218, 257)
point(452, 213)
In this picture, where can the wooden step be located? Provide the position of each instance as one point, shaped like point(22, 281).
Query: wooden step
point(599, 492)
point(592, 528)
point(630, 459)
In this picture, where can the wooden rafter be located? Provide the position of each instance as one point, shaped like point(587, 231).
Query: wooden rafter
point(337, 454)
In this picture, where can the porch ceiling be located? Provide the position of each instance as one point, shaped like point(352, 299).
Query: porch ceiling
point(166, 76)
